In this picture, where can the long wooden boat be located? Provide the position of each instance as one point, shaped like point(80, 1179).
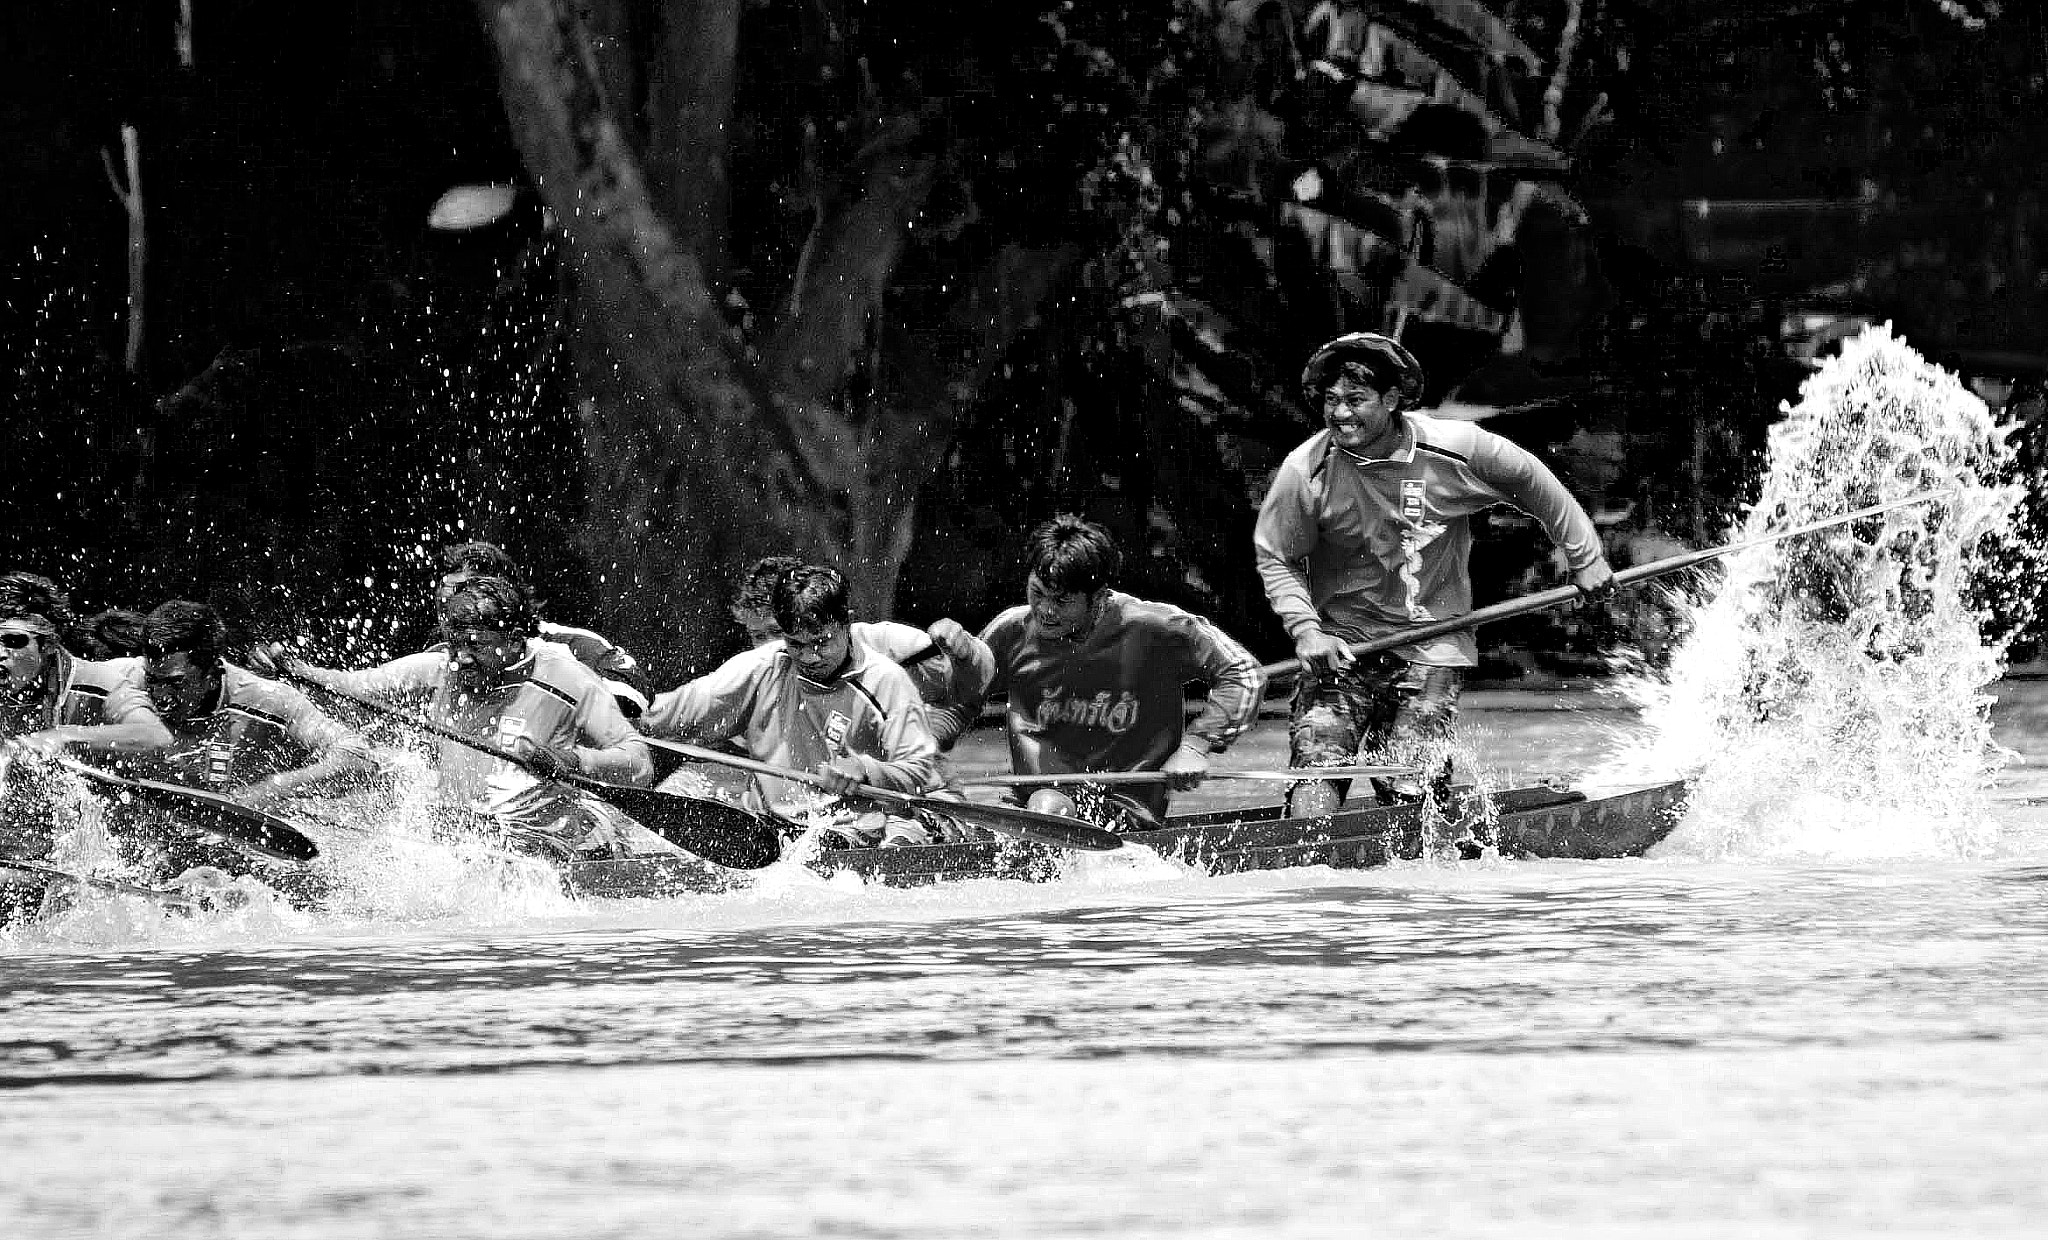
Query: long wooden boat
point(1520, 822)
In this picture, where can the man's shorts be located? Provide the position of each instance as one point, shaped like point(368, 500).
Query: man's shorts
point(1380, 709)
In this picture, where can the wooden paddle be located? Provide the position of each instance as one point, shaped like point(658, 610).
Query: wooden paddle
point(210, 813)
point(1013, 821)
point(1558, 597)
point(721, 833)
point(48, 873)
point(1160, 777)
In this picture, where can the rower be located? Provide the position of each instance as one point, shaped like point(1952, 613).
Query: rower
point(1093, 679)
point(51, 700)
point(235, 731)
point(949, 666)
point(619, 670)
point(232, 731)
point(493, 678)
point(1366, 530)
point(814, 701)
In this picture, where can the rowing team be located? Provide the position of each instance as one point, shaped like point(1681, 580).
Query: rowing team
point(1363, 533)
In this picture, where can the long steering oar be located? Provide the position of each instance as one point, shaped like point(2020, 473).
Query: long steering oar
point(721, 833)
point(1558, 597)
point(1160, 777)
point(244, 826)
point(1012, 821)
point(50, 873)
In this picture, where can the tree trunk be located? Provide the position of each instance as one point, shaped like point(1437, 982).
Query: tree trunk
point(697, 456)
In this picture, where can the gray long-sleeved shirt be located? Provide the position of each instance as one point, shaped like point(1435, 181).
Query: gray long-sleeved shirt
point(1362, 548)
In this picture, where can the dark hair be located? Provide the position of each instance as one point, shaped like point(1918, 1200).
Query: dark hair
point(758, 582)
point(25, 594)
point(810, 595)
point(115, 633)
point(183, 625)
point(1380, 362)
point(490, 603)
point(481, 558)
point(1071, 555)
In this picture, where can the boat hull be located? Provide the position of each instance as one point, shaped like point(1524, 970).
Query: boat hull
point(1525, 823)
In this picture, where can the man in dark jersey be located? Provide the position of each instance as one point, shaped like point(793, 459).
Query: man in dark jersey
point(1094, 681)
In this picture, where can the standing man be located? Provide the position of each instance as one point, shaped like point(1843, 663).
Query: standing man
point(1094, 681)
point(814, 701)
point(1365, 531)
point(493, 679)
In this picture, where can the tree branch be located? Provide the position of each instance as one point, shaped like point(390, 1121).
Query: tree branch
point(651, 297)
point(689, 115)
point(848, 263)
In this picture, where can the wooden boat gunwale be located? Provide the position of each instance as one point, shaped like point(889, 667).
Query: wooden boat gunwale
point(1533, 822)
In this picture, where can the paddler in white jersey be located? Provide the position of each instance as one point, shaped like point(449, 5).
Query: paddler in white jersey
point(51, 701)
point(494, 680)
point(1094, 679)
point(949, 666)
point(613, 664)
point(815, 702)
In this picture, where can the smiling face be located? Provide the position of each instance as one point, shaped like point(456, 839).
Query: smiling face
point(24, 652)
point(1359, 416)
point(1062, 615)
point(820, 651)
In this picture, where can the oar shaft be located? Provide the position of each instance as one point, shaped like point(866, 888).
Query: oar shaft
point(1160, 777)
point(1544, 599)
point(50, 872)
point(741, 763)
point(1001, 819)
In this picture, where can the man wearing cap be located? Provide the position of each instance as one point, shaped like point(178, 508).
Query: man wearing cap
point(1366, 531)
point(494, 679)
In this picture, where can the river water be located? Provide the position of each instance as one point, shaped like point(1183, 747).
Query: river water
point(1817, 1042)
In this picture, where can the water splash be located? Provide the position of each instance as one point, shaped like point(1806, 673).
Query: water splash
point(1830, 698)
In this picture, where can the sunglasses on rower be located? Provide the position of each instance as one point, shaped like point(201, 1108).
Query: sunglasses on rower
point(16, 641)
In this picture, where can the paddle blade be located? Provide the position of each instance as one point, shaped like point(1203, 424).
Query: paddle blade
point(210, 813)
point(1018, 823)
point(719, 832)
point(246, 827)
